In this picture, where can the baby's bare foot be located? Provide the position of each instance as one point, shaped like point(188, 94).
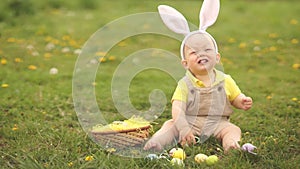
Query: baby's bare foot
point(152, 145)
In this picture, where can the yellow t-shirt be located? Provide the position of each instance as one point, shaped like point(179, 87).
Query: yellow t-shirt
point(231, 88)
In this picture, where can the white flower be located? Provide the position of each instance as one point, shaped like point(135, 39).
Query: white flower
point(53, 71)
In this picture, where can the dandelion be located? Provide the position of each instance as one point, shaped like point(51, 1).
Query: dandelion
point(112, 58)
point(3, 61)
point(257, 42)
point(273, 35)
point(251, 70)
point(48, 39)
point(11, 40)
point(101, 53)
point(4, 85)
point(102, 59)
point(293, 21)
point(111, 150)
point(269, 97)
point(73, 43)
point(66, 37)
point(294, 99)
point(231, 40)
point(273, 49)
point(47, 55)
point(294, 41)
point(55, 41)
point(94, 83)
point(15, 127)
point(70, 164)
point(18, 60)
point(242, 45)
point(89, 158)
point(296, 66)
point(32, 67)
point(121, 44)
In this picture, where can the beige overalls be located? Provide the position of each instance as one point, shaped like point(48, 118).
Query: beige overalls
point(207, 112)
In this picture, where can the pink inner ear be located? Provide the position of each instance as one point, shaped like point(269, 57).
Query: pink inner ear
point(208, 13)
point(173, 19)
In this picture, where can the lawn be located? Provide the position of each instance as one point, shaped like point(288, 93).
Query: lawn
point(40, 111)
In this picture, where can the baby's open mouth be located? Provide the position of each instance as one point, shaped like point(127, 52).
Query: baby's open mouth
point(202, 61)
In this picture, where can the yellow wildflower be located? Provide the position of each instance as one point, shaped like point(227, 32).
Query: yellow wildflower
point(101, 53)
point(112, 58)
point(269, 97)
point(111, 150)
point(242, 45)
point(11, 40)
point(18, 60)
point(48, 39)
point(257, 42)
point(122, 44)
point(15, 127)
point(273, 35)
point(296, 65)
point(231, 40)
point(272, 48)
point(66, 37)
point(70, 164)
point(4, 85)
point(102, 59)
point(89, 158)
point(3, 61)
point(294, 99)
point(293, 21)
point(294, 41)
point(47, 55)
point(32, 67)
point(73, 43)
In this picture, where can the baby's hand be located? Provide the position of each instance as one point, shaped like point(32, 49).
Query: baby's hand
point(188, 139)
point(246, 103)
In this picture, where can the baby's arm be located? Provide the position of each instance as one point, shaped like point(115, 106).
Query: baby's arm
point(242, 102)
point(178, 115)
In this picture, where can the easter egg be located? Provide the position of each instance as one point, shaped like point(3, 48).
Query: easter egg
point(178, 153)
point(177, 161)
point(200, 158)
point(211, 160)
point(151, 157)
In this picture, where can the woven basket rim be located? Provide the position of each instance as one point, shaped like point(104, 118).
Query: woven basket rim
point(121, 131)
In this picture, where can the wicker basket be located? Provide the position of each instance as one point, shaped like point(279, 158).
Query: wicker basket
point(122, 139)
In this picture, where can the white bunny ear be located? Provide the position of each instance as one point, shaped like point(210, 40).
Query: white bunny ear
point(173, 19)
point(208, 13)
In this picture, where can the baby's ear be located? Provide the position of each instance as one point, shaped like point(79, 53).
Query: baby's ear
point(184, 64)
point(218, 57)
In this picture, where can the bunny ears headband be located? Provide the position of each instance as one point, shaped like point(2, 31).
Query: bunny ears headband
point(175, 21)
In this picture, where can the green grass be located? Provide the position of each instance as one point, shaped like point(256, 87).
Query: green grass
point(39, 127)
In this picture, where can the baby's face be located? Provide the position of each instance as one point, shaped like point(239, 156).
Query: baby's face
point(200, 54)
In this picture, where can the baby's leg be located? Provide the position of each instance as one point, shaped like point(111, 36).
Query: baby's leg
point(162, 137)
point(230, 137)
